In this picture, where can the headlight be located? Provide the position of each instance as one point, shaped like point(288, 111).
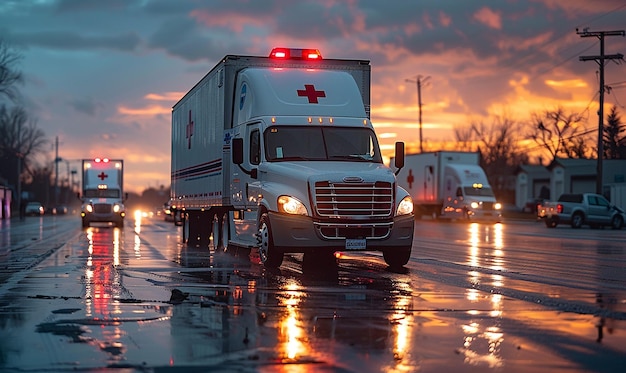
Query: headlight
point(116, 208)
point(405, 206)
point(474, 205)
point(89, 208)
point(497, 206)
point(290, 205)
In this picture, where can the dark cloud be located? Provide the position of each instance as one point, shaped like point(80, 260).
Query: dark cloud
point(93, 5)
point(65, 40)
point(86, 106)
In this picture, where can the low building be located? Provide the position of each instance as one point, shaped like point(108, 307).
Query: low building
point(565, 175)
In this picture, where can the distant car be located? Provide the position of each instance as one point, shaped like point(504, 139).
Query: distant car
point(34, 209)
point(168, 214)
point(61, 210)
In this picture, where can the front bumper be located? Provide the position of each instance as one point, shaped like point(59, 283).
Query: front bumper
point(296, 233)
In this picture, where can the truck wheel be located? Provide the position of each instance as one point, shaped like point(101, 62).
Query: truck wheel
point(617, 222)
point(397, 257)
point(551, 223)
point(270, 256)
point(577, 220)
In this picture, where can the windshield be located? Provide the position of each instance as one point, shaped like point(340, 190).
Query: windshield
point(102, 193)
point(478, 192)
point(321, 144)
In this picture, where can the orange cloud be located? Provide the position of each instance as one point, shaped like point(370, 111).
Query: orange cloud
point(167, 96)
point(489, 18)
point(570, 83)
point(148, 110)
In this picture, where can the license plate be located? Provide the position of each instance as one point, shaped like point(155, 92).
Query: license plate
point(356, 244)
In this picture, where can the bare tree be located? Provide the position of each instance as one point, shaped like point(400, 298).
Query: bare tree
point(20, 141)
point(559, 133)
point(9, 76)
point(465, 138)
point(500, 153)
point(614, 137)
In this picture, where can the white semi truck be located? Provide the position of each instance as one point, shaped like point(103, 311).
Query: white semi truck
point(278, 153)
point(102, 198)
point(450, 185)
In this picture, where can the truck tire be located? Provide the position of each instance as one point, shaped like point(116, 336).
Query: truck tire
point(397, 257)
point(617, 222)
point(551, 223)
point(577, 220)
point(270, 256)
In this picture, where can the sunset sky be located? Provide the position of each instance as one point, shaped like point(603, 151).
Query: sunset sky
point(102, 76)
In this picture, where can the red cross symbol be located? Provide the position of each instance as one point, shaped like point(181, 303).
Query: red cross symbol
point(102, 176)
point(310, 92)
point(410, 179)
point(189, 131)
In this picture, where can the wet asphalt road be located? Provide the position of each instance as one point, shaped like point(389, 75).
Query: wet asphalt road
point(511, 297)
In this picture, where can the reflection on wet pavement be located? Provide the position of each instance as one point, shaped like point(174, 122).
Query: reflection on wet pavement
point(138, 299)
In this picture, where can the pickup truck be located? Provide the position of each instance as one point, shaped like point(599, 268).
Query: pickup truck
point(581, 209)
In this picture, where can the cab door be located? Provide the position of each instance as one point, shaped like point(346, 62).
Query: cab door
point(245, 183)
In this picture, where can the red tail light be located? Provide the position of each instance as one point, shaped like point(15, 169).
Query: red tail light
point(559, 208)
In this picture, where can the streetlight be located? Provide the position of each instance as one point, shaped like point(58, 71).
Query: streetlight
point(419, 80)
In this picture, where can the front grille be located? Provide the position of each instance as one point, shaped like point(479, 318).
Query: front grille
point(353, 200)
point(102, 208)
point(487, 205)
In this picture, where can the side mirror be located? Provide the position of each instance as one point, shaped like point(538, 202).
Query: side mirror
point(399, 157)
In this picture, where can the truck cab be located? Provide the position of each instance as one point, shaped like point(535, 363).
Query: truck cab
point(468, 195)
point(103, 197)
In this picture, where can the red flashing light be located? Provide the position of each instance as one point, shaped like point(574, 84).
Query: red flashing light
point(295, 54)
point(559, 208)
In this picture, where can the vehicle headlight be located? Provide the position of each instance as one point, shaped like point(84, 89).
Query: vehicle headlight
point(89, 208)
point(405, 206)
point(474, 205)
point(116, 208)
point(291, 205)
point(497, 206)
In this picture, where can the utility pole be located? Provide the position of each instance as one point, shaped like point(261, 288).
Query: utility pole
point(600, 60)
point(419, 80)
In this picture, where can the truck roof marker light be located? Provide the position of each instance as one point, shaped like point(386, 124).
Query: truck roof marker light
point(295, 54)
point(320, 120)
point(273, 119)
point(310, 120)
point(330, 120)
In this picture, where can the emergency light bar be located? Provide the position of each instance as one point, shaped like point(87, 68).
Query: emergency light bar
point(295, 54)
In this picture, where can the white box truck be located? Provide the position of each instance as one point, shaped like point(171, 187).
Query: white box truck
point(102, 198)
point(278, 153)
point(450, 185)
